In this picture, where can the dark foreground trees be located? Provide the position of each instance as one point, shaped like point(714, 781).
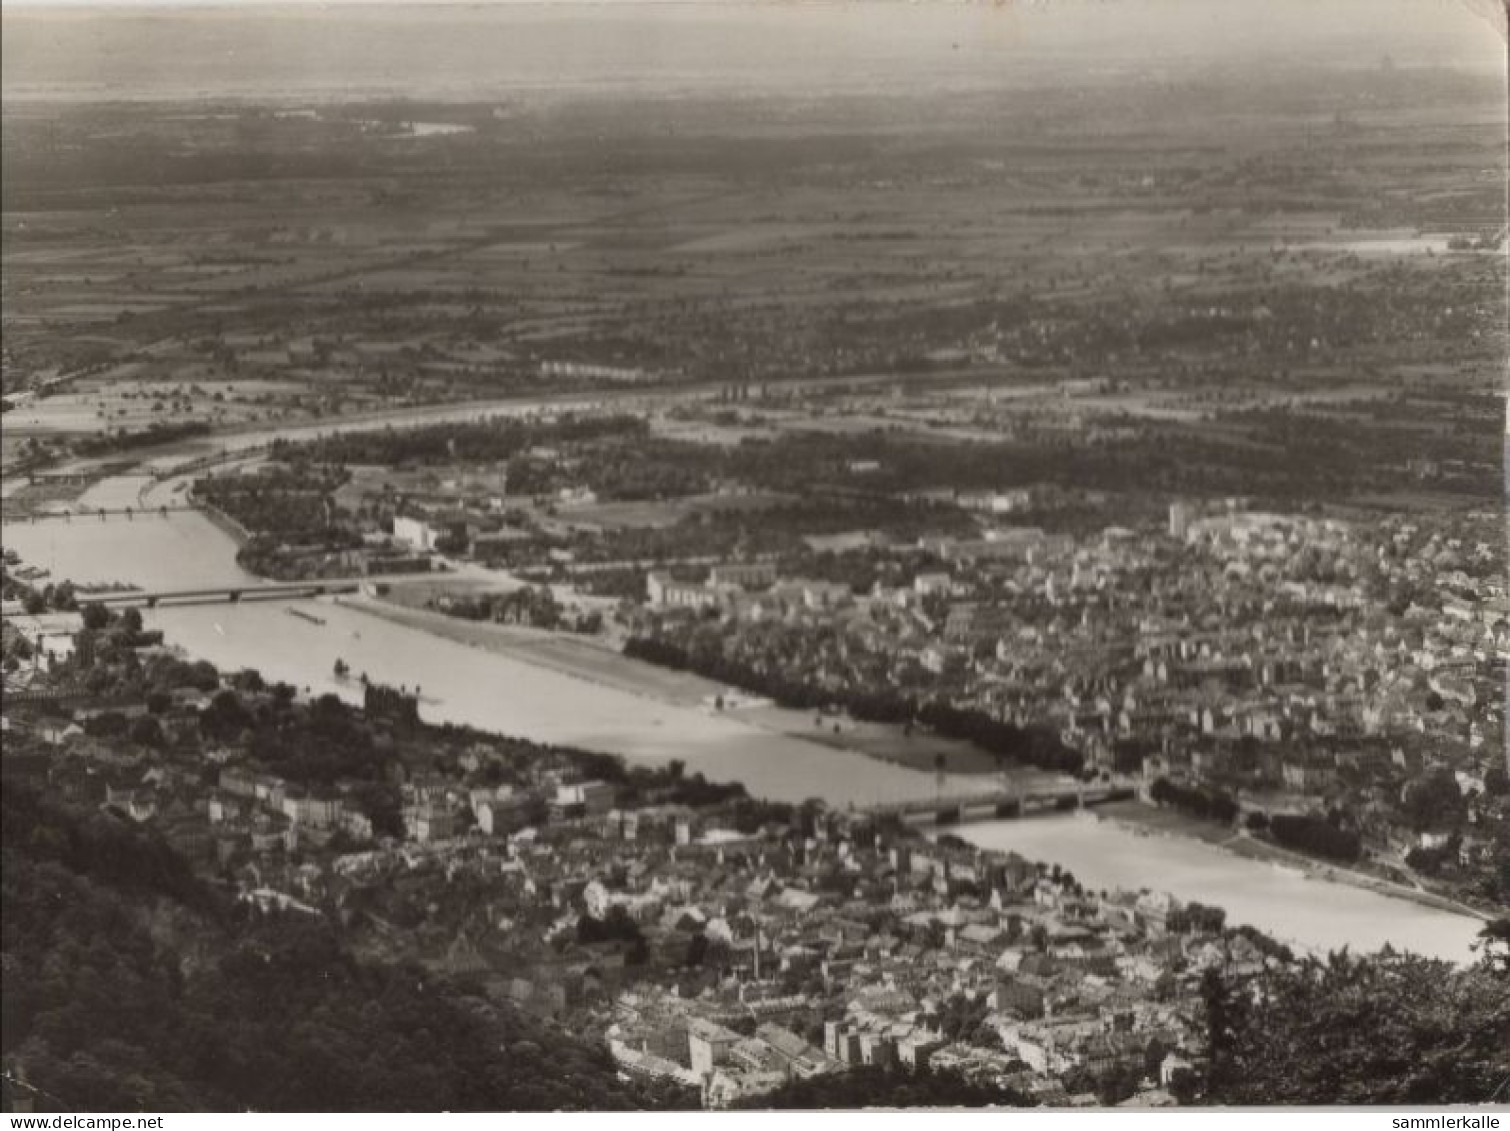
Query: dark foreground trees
point(1379, 1029)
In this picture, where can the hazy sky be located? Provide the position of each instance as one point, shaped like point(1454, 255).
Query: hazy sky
point(132, 48)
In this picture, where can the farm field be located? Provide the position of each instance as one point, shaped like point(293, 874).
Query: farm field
point(597, 244)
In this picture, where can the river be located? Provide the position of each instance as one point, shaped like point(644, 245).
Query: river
point(1287, 903)
point(459, 683)
point(184, 550)
point(502, 693)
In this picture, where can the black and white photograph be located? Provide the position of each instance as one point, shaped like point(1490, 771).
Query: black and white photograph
point(714, 556)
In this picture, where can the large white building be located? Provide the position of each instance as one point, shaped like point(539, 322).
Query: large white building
point(415, 532)
point(663, 590)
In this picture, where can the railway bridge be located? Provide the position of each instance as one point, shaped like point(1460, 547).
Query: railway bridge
point(130, 514)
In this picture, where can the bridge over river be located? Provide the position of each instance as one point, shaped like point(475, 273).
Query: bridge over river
point(99, 514)
point(1002, 801)
point(220, 594)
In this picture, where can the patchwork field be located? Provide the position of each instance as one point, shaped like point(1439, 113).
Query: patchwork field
point(798, 241)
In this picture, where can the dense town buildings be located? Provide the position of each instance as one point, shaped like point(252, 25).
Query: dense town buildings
point(714, 943)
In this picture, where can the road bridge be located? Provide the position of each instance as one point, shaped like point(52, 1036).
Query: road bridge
point(999, 802)
point(221, 594)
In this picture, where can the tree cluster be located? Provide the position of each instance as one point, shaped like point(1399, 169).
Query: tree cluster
point(1380, 1029)
point(1198, 801)
point(487, 441)
point(1030, 745)
point(1315, 835)
point(1196, 918)
point(127, 440)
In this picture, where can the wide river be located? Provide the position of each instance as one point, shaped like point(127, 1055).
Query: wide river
point(509, 695)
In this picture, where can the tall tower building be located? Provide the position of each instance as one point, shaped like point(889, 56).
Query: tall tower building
point(1179, 519)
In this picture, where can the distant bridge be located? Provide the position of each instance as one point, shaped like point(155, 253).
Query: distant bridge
point(221, 594)
point(99, 513)
point(990, 804)
point(66, 478)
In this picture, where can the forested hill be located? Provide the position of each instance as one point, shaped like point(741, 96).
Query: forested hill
point(129, 985)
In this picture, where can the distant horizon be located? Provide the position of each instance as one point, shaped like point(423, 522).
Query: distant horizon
point(441, 48)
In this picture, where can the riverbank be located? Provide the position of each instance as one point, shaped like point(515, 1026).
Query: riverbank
point(883, 742)
point(1146, 820)
point(231, 528)
point(588, 658)
point(578, 658)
